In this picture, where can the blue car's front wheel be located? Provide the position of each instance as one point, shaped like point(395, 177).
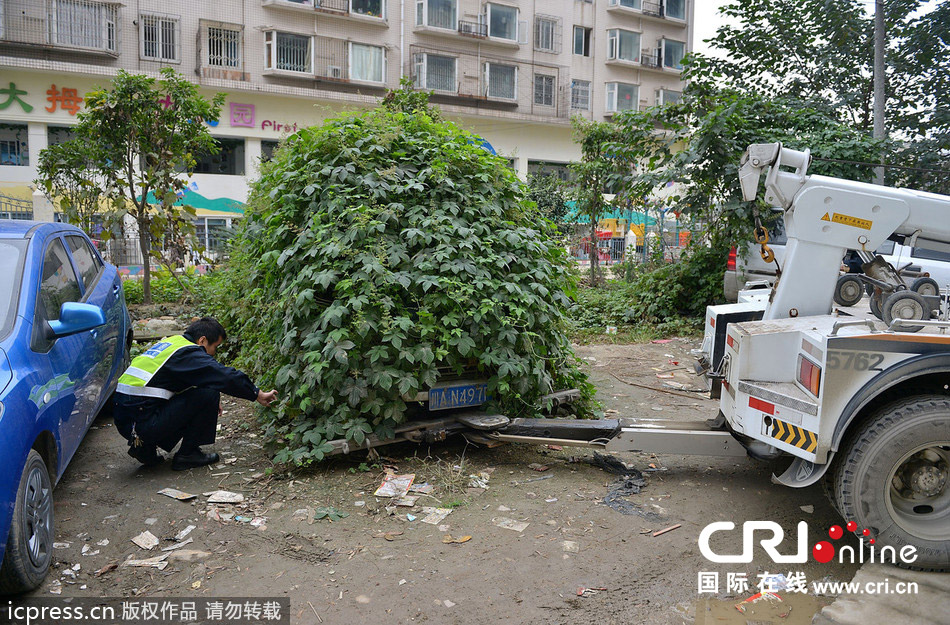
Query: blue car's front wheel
point(30, 543)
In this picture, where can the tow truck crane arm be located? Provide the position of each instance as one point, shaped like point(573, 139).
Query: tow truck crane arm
point(824, 217)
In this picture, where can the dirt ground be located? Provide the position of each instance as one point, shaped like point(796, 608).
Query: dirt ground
point(371, 566)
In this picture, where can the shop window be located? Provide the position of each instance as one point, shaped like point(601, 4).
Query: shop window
point(228, 161)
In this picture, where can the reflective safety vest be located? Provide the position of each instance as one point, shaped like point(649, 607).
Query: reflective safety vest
point(145, 366)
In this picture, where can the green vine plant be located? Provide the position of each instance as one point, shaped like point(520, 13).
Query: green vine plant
point(382, 253)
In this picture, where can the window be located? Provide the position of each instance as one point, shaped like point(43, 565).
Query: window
point(229, 160)
point(159, 36)
point(81, 24)
point(580, 95)
point(59, 284)
point(288, 52)
point(545, 168)
point(544, 90)
point(86, 260)
point(59, 134)
point(676, 9)
point(267, 149)
point(437, 13)
point(630, 4)
point(673, 52)
point(623, 45)
point(582, 41)
point(887, 248)
point(667, 96)
point(502, 22)
point(213, 233)
point(372, 8)
point(13, 145)
point(435, 72)
point(622, 97)
point(928, 254)
point(367, 63)
point(547, 34)
point(224, 47)
point(501, 80)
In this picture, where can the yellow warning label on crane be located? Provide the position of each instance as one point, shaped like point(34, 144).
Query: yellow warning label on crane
point(848, 220)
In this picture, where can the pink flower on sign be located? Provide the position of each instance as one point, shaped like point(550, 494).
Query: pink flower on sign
point(242, 115)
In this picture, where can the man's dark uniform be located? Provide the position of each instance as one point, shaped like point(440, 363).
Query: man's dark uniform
point(179, 401)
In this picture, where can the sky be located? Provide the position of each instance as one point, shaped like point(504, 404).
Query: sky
point(707, 20)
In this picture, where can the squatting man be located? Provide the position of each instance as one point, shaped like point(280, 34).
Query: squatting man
point(172, 392)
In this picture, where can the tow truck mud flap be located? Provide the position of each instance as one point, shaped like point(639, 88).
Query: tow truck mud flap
point(802, 473)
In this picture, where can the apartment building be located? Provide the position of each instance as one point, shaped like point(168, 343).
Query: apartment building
point(512, 71)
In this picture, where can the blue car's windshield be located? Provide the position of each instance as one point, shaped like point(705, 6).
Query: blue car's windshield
point(11, 268)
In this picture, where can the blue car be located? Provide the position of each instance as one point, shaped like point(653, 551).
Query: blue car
point(64, 339)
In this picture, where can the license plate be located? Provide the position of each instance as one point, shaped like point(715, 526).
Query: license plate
point(458, 396)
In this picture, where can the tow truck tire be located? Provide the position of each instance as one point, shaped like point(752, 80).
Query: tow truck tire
point(893, 478)
point(848, 290)
point(875, 304)
point(905, 305)
point(925, 286)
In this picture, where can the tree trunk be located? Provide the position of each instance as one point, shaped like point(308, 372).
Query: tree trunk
point(594, 251)
point(145, 246)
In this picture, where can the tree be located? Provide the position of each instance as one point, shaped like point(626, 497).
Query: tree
point(600, 164)
point(550, 193)
point(380, 253)
point(141, 139)
point(698, 143)
point(68, 177)
point(820, 54)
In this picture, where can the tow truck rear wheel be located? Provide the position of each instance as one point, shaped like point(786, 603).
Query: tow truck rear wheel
point(925, 286)
point(849, 290)
point(894, 479)
point(875, 304)
point(905, 305)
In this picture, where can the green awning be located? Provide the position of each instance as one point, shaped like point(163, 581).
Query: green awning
point(612, 212)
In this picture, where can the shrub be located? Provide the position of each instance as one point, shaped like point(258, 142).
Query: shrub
point(385, 251)
point(657, 295)
point(190, 288)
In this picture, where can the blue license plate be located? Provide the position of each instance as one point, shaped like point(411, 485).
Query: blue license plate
point(458, 396)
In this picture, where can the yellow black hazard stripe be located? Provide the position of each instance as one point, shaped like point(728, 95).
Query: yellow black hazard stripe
point(794, 436)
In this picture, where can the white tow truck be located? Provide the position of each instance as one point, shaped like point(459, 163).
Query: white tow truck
point(863, 404)
point(859, 403)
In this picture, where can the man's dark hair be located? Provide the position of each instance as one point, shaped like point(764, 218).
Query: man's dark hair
point(207, 327)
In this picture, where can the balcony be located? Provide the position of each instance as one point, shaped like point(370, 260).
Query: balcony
point(478, 30)
point(669, 11)
point(71, 25)
point(367, 11)
point(463, 79)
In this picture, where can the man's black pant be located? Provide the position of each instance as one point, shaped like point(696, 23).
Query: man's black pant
point(190, 417)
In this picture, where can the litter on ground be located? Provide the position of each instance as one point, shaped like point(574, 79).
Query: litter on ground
point(146, 540)
point(224, 496)
point(510, 524)
point(174, 493)
point(395, 485)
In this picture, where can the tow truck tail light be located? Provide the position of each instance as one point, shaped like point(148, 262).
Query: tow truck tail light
point(809, 375)
point(731, 263)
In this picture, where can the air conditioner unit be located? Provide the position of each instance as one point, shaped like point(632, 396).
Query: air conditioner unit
point(468, 28)
point(334, 71)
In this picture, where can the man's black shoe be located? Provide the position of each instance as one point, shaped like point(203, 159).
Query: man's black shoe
point(193, 459)
point(147, 455)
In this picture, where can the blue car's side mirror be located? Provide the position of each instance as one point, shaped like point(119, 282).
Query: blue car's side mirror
point(75, 317)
